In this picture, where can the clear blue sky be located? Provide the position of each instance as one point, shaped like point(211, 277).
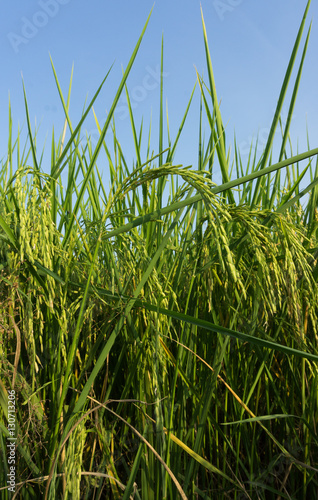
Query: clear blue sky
point(250, 44)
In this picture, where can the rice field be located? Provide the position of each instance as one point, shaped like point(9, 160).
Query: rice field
point(160, 332)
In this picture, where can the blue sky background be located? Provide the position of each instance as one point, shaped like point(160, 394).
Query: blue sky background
point(250, 44)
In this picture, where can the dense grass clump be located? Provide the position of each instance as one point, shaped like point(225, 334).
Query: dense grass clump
point(160, 335)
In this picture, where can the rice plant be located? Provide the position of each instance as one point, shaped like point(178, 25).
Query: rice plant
point(160, 333)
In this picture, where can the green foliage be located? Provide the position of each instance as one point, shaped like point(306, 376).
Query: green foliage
point(161, 340)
